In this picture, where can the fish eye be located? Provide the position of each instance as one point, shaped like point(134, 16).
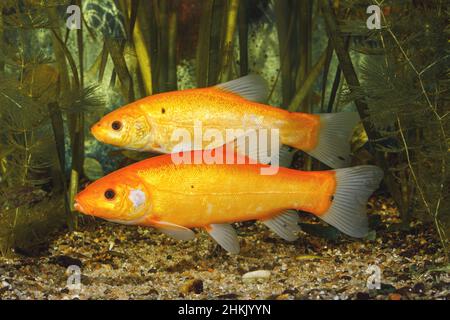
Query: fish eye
point(116, 125)
point(110, 194)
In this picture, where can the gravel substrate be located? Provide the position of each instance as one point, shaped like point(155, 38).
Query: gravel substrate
point(125, 262)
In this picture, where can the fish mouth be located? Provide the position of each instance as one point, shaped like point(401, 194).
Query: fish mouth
point(84, 210)
point(78, 207)
point(103, 135)
point(96, 131)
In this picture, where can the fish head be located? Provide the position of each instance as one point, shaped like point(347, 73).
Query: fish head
point(118, 197)
point(126, 127)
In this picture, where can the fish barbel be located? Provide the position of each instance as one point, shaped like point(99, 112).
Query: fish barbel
point(177, 197)
point(149, 124)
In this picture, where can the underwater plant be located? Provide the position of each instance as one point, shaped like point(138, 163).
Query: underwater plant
point(42, 107)
point(403, 91)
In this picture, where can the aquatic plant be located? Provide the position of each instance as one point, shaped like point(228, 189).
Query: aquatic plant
point(41, 106)
point(402, 97)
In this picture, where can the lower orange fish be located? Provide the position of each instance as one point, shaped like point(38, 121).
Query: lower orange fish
point(175, 198)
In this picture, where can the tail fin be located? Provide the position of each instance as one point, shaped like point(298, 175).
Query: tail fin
point(333, 147)
point(348, 209)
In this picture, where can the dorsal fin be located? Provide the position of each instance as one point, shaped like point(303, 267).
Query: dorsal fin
point(252, 87)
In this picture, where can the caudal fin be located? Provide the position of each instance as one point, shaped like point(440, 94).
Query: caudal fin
point(348, 209)
point(333, 147)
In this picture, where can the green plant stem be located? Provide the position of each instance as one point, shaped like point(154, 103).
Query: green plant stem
point(161, 10)
point(172, 49)
point(103, 62)
point(285, 18)
point(326, 71)
point(144, 47)
point(2, 63)
point(204, 44)
point(227, 43)
point(243, 38)
point(308, 83)
point(345, 61)
point(58, 132)
point(116, 50)
point(69, 57)
point(305, 51)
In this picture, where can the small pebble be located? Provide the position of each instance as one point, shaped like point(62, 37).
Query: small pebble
point(258, 274)
point(394, 296)
point(419, 288)
point(195, 286)
point(362, 296)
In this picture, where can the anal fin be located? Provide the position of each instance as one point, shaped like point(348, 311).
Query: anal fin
point(284, 225)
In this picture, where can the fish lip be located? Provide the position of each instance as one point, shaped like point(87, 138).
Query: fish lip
point(77, 206)
point(94, 130)
point(100, 133)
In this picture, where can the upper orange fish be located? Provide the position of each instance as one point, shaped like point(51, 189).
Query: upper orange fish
point(174, 198)
point(149, 124)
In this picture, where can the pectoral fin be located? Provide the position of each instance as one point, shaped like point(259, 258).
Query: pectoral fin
point(173, 230)
point(225, 235)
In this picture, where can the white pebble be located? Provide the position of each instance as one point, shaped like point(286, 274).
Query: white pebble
point(258, 274)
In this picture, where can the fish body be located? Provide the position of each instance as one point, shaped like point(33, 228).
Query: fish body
point(221, 110)
point(149, 124)
point(177, 197)
point(198, 195)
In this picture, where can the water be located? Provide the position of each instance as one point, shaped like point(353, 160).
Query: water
point(63, 66)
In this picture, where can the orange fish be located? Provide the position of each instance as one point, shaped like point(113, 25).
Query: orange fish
point(149, 124)
point(175, 198)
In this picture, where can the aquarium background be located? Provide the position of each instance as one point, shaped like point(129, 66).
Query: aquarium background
point(317, 56)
